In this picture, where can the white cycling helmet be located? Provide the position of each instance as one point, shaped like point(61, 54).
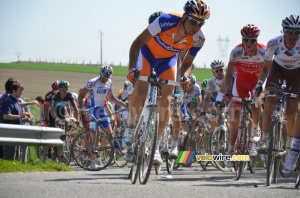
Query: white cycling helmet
point(292, 21)
point(217, 64)
point(192, 80)
point(106, 71)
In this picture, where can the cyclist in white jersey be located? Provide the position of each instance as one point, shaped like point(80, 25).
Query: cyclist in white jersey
point(193, 90)
point(283, 60)
point(213, 88)
point(98, 88)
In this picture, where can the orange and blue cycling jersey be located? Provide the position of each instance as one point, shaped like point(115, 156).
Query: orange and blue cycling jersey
point(160, 51)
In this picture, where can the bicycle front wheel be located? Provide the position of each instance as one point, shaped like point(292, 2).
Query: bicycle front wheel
point(271, 153)
point(148, 145)
point(218, 143)
point(241, 150)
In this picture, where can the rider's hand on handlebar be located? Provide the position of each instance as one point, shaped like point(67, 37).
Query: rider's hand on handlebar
point(130, 75)
point(228, 96)
point(257, 90)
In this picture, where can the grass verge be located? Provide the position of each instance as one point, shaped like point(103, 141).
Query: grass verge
point(7, 166)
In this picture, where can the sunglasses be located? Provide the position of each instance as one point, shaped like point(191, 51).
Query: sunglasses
point(250, 40)
point(194, 22)
point(63, 89)
point(106, 78)
point(218, 70)
point(291, 31)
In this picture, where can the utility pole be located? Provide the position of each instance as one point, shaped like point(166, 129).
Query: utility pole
point(100, 36)
point(18, 53)
point(223, 47)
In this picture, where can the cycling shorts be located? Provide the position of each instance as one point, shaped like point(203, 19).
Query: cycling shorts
point(277, 74)
point(99, 112)
point(165, 68)
point(242, 86)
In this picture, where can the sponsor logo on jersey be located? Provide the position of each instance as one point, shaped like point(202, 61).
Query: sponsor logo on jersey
point(167, 24)
point(165, 46)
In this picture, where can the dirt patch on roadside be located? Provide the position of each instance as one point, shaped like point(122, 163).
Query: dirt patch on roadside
point(38, 83)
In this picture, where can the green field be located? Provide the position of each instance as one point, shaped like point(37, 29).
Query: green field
point(118, 71)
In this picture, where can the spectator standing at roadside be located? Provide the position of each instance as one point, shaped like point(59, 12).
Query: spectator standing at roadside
point(12, 114)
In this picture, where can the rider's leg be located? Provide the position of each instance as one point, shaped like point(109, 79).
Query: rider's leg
point(291, 110)
point(234, 125)
point(136, 102)
point(164, 108)
point(290, 162)
point(266, 116)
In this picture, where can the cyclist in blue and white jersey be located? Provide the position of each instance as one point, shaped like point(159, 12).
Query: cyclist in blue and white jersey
point(98, 88)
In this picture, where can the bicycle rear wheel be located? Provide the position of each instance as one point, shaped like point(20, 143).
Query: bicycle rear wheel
point(271, 152)
point(85, 145)
point(148, 145)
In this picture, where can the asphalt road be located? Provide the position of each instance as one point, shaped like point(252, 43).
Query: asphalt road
point(113, 182)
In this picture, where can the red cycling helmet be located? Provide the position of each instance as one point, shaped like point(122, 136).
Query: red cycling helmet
point(54, 85)
point(250, 30)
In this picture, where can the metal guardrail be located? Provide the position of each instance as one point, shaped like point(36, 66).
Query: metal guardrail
point(11, 134)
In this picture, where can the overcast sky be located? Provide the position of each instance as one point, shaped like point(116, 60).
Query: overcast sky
point(68, 30)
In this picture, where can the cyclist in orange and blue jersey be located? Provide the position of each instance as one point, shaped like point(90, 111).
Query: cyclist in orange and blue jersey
point(156, 48)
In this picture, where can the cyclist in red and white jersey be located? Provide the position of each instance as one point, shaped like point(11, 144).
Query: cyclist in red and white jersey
point(282, 62)
point(156, 48)
point(247, 58)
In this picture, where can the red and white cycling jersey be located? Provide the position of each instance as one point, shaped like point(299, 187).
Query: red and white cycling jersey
point(248, 69)
point(288, 59)
point(248, 66)
point(163, 30)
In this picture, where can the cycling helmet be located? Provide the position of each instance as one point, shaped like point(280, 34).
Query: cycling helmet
point(250, 30)
point(216, 64)
point(155, 15)
point(54, 85)
point(197, 8)
point(204, 84)
point(75, 96)
point(63, 84)
point(106, 71)
point(192, 80)
point(292, 21)
point(126, 84)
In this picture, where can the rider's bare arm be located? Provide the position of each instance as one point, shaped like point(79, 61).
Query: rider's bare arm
point(81, 97)
point(186, 66)
point(228, 77)
point(113, 99)
point(137, 44)
point(265, 70)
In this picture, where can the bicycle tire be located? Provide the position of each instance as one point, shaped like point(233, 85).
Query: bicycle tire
point(169, 164)
point(147, 154)
point(84, 146)
point(271, 155)
point(252, 164)
point(284, 173)
point(216, 142)
point(297, 184)
point(189, 146)
point(136, 166)
point(241, 150)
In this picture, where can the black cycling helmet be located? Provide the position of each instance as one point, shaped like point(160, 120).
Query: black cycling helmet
point(63, 84)
point(153, 16)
